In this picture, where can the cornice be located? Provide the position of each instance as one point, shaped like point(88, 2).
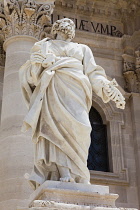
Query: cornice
point(116, 9)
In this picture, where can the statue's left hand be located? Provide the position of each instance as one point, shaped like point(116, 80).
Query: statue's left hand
point(49, 60)
point(37, 57)
point(45, 60)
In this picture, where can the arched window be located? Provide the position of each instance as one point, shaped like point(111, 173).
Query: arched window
point(98, 151)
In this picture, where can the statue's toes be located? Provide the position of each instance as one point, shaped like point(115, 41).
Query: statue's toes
point(71, 180)
point(64, 179)
point(67, 179)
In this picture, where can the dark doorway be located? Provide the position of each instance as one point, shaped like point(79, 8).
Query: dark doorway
point(98, 151)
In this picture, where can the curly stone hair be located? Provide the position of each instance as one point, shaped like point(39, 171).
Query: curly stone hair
point(65, 26)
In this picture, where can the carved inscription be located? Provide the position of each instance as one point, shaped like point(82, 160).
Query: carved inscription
point(93, 27)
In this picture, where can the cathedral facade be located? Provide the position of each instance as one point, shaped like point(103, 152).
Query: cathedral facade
point(111, 28)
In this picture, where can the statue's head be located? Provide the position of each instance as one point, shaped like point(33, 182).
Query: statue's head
point(64, 28)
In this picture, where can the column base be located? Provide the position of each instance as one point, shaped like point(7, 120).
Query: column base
point(56, 195)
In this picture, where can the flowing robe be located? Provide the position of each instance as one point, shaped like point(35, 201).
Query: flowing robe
point(59, 98)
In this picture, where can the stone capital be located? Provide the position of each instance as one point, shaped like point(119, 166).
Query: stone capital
point(25, 17)
point(129, 63)
point(131, 81)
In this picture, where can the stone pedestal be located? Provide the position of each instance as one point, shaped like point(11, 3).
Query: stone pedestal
point(59, 195)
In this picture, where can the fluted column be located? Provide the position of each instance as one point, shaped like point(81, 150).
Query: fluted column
point(23, 22)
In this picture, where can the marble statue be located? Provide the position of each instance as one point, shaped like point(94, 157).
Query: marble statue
point(57, 84)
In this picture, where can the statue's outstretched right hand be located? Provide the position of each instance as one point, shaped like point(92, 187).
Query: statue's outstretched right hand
point(114, 94)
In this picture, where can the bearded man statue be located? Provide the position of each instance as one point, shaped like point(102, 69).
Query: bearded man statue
point(57, 84)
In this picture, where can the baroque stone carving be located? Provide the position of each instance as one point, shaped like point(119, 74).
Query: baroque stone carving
point(130, 74)
point(57, 84)
point(131, 81)
point(128, 66)
point(25, 17)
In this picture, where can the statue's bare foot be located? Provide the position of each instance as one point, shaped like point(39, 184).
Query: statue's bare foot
point(84, 181)
point(65, 175)
point(67, 179)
